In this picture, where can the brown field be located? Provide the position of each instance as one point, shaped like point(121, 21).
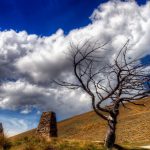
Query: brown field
point(133, 126)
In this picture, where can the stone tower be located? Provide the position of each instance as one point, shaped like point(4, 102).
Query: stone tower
point(47, 126)
point(1, 130)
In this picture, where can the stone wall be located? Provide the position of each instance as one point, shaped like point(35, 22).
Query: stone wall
point(47, 126)
point(1, 130)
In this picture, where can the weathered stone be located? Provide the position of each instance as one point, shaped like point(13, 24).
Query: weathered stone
point(1, 130)
point(47, 126)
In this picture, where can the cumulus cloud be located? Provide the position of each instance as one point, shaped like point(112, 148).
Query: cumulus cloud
point(29, 62)
point(116, 21)
point(25, 96)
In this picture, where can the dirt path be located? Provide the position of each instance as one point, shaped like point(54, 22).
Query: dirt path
point(145, 147)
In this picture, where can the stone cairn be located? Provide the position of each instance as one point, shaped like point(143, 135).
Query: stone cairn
point(47, 127)
point(1, 130)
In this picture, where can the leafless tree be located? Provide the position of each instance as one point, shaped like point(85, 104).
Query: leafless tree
point(108, 85)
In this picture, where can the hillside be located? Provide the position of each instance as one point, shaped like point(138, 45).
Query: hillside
point(133, 126)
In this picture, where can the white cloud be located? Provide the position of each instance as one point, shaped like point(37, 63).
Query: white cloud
point(23, 96)
point(31, 61)
point(117, 21)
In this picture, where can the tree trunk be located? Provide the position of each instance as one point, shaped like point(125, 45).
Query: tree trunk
point(111, 134)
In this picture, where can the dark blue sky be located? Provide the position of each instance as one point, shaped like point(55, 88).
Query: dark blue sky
point(44, 17)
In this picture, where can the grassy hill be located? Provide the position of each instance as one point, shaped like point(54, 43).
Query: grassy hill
point(133, 126)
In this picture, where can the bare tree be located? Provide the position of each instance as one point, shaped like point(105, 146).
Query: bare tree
point(108, 85)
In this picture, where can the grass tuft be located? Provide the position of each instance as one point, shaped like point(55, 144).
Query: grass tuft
point(5, 143)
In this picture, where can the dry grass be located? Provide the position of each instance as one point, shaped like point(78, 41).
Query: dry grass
point(36, 143)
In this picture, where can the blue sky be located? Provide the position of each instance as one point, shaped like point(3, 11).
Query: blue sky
point(44, 17)
point(53, 22)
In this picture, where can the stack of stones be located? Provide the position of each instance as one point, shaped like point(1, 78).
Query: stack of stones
point(1, 130)
point(48, 126)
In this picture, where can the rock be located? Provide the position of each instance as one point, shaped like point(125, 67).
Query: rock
point(1, 130)
point(47, 126)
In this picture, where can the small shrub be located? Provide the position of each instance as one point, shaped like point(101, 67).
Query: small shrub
point(48, 147)
point(91, 147)
point(5, 143)
point(26, 139)
point(29, 147)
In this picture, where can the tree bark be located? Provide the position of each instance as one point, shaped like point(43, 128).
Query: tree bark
point(111, 135)
point(111, 132)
